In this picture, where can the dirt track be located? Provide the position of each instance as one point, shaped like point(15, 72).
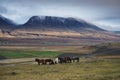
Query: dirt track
point(20, 60)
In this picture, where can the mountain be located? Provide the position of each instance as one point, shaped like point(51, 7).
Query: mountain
point(60, 23)
point(55, 29)
point(6, 25)
point(49, 26)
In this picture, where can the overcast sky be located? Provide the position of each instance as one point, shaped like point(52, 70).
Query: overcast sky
point(105, 13)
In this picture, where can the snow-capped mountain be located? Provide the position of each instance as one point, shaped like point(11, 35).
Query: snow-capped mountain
point(40, 27)
point(59, 22)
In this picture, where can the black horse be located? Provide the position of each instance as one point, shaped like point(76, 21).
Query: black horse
point(75, 59)
point(61, 60)
point(68, 59)
point(64, 59)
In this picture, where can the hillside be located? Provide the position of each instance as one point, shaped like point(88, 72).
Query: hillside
point(48, 26)
point(53, 30)
point(117, 32)
point(109, 49)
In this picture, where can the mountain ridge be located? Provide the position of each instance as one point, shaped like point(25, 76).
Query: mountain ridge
point(60, 22)
point(58, 28)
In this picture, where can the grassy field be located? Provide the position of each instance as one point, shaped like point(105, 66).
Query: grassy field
point(52, 51)
point(25, 54)
point(41, 51)
point(105, 65)
point(87, 69)
point(109, 50)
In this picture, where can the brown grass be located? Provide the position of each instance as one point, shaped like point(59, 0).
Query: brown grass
point(72, 49)
point(85, 70)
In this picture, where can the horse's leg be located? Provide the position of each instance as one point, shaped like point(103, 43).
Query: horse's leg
point(38, 63)
point(65, 61)
point(53, 62)
point(78, 60)
point(73, 60)
point(60, 62)
point(50, 62)
point(45, 62)
point(70, 60)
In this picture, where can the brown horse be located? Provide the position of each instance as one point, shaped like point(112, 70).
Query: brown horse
point(50, 61)
point(40, 61)
point(44, 61)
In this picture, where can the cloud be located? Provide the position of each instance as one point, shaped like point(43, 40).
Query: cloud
point(3, 9)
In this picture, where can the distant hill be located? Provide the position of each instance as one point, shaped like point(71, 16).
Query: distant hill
point(6, 26)
point(55, 29)
point(118, 32)
point(6, 23)
point(107, 49)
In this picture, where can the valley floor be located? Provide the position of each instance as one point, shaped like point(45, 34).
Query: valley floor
point(86, 69)
point(17, 63)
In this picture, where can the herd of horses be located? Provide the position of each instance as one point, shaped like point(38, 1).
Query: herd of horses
point(57, 60)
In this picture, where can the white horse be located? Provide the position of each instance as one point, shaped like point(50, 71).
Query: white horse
point(56, 60)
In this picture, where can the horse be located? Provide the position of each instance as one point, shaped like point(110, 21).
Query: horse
point(56, 60)
point(44, 61)
point(64, 59)
point(39, 61)
point(75, 59)
point(68, 59)
point(50, 61)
